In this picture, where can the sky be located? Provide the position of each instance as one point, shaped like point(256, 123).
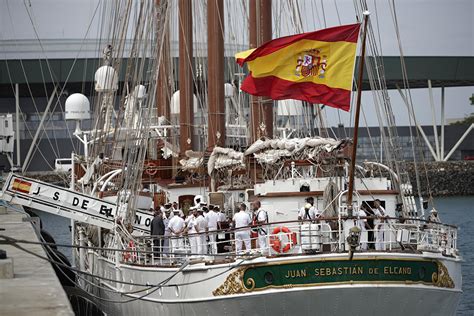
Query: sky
point(426, 28)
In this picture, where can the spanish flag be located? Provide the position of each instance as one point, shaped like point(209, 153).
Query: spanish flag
point(316, 67)
point(21, 186)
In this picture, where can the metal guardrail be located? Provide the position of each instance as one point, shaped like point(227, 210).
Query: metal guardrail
point(290, 238)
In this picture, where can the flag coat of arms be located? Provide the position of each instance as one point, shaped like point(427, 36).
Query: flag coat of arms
point(316, 67)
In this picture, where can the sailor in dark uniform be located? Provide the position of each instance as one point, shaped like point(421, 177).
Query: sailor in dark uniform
point(157, 231)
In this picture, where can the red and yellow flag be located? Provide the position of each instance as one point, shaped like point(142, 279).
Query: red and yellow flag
point(316, 67)
point(21, 186)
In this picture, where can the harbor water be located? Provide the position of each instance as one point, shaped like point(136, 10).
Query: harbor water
point(458, 211)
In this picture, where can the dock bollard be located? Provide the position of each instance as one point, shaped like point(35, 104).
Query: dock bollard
point(6, 266)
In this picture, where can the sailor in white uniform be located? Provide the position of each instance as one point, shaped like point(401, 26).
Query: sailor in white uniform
point(166, 221)
point(201, 228)
point(307, 212)
point(379, 224)
point(212, 218)
point(176, 226)
point(175, 208)
point(363, 225)
point(222, 218)
point(192, 229)
point(242, 219)
point(261, 217)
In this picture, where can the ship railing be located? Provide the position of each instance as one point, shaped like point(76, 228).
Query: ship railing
point(294, 238)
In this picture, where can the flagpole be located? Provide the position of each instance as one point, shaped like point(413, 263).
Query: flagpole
point(350, 189)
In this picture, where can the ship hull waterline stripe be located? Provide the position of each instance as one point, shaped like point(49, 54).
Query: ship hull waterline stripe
point(347, 285)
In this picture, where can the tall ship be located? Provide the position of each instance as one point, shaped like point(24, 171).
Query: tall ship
point(270, 219)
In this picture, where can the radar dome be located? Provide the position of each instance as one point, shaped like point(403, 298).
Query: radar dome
point(106, 79)
point(139, 92)
point(228, 90)
point(77, 107)
point(175, 103)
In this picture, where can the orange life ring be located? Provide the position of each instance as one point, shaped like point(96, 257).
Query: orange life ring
point(150, 168)
point(130, 253)
point(276, 243)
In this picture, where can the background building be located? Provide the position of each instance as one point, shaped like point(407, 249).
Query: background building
point(48, 43)
point(370, 143)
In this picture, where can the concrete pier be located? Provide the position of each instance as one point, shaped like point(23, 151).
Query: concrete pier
point(34, 288)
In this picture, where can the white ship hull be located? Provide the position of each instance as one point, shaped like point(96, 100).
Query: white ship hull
point(349, 298)
point(337, 300)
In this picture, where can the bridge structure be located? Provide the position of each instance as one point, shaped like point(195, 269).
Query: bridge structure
point(36, 89)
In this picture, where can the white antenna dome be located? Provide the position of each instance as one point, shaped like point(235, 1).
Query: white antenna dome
point(106, 79)
point(139, 92)
point(77, 107)
point(290, 108)
point(228, 90)
point(175, 103)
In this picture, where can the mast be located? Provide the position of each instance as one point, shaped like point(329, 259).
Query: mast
point(350, 189)
point(260, 27)
point(163, 92)
point(17, 124)
point(163, 89)
point(215, 53)
point(186, 97)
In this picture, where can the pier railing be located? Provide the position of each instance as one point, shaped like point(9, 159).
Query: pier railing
point(297, 238)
